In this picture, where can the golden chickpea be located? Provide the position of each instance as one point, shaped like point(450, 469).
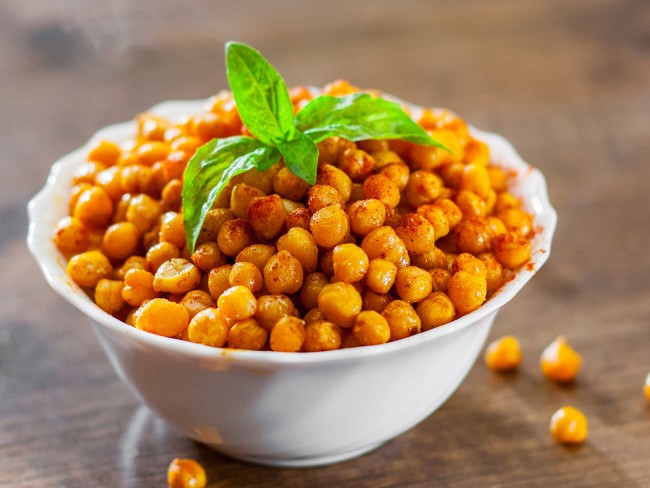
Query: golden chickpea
point(288, 185)
point(283, 274)
point(371, 328)
point(108, 296)
point(434, 258)
point(376, 301)
point(313, 315)
point(348, 340)
point(177, 275)
point(208, 256)
point(569, 426)
point(471, 204)
point(320, 196)
point(94, 208)
point(494, 272)
point(428, 158)
point(356, 193)
point(322, 335)
point(160, 253)
point(162, 317)
point(413, 284)
point(105, 152)
point(132, 262)
point(334, 177)
point(381, 275)
point(151, 127)
point(439, 279)
point(241, 197)
point(143, 212)
point(435, 310)
point(186, 473)
point(152, 152)
point(560, 362)
point(452, 174)
point(260, 179)
point(498, 178)
point(516, 220)
point(172, 229)
point(209, 327)
point(267, 215)
point(271, 308)
point(311, 288)
point(258, 254)
point(138, 287)
point(110, 180)
point(473, 236)
point(300, 217)
point(136, 179)
point(212, 224)
point(75, 193)
point(496, 226)
point(248, 275)
point(120, 208)
point(218, 280)
point(159, 177)
point(71, 236)
point(357, 164)
point(511, 249)
point(437, 217)
point(469, 263)
point(302, 246)
point(340, 303)
point(237, 303)
point(398, 173)
point(88, 268)
point(87, 172)
point(330, 226)
point(506, 200)
point(235, 235)
point(477, 152)
point(384, 243)
point(467, 291)
point(350, 263)
point(247, 334)
point(374, 145)
point(366, 215)
point(288, 334)
point(476, 179)
point(290, 205)
point(195, 301)
point(422, 188)
point(329, 149)
point(120, 240)
point(402, 319)
point(416, 232)
point(175, 164)
point(452, 212)
point(379, 187)
point(503, 354)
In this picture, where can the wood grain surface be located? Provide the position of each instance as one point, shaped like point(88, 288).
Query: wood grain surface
point(567, 82)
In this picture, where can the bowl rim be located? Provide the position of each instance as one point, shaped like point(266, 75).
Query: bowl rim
point(50, 265)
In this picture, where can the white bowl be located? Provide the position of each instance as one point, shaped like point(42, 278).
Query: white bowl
point(286, 409)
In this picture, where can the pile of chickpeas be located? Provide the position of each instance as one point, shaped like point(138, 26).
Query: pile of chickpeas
point(393, 240)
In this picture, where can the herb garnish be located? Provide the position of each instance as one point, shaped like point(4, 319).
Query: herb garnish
point(264, 106)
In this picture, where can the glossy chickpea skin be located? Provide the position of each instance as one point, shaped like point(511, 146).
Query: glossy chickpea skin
point(321, 335)
point(283, 274)
point(384, 243)
point(246, 274)
point(267, 215)
point(94, 207)
point(172, 229)
point(162, 317)
point(302, 246)
point(108, 295)
point(435, 310)
point(416, 232)
point(208, 256)
point(357, 164)
point(209, 327)
point(413, 284)
point(402, 319)
point(311, 288)
point(371, 328)
point(334, 177)
point(241, 197)
point(422, 188)
point(88, 268)
point(234, 235)
point(258, 254)
point(503, 354)
point(271, 308)
point(330, 226)
point(381, 275)
point(320, 196)
point(71, 236)
point(289, 186)
point(560, 362)
point(569, 426)
point(467, 291)
point(237, 303)
point(196, 301)
point(511, 249)
point(473, 236)
point(218, 280)
point(366, 215)
point(138, 287)
point(288, 334)
point(177, 276)
point(120, 240)
point(160, 253)
point(186, 473)
point(340, 303)
point(350, 263)
point(247, 334)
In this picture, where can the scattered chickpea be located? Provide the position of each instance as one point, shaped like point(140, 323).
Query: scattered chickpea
point(569, 426)
point(559, 361)
point(186, 473)
point(646, 387)
point(503, 354)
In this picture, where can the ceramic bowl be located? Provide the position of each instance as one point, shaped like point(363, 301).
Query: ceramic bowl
point(286, 409)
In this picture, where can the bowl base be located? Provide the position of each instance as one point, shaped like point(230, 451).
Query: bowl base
point(301, 462)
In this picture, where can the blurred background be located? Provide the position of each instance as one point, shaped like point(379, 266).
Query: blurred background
point(568, 83)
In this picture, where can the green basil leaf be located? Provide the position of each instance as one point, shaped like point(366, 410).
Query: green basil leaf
point(211, 167)
point(360, 116)
point(301, 157)
point(260, 94)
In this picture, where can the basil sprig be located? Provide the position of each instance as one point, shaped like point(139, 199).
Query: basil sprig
point(265, 108)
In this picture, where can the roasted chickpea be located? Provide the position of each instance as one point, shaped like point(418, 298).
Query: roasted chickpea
point(435, 310)
point(208, 256)
point(177, 275)
point(143, 212)
point(300, 217)
point(75, 193)
point(374, 145)
point(248, 275)
point(371, 328)
point(313, 315)
point(271, 308)
point(398, 173)
point(172, 229)
point(476, 179)
point(108, 295)
point(503, 354)
point(136, 179)
point(88, 268)
point(496, 226)
point(132, 262)
point(235, 235)
point(247, 334)
point(86, 173)
point(138, 287)
point(516, 220)
point(402, 319)
point(209, 327)
point(283, 273)
point(258, 254)
point(471, 204)
point(260, 179)
point(469, 263)
point(505, 201)
point(160, 253)
point(94, 208)
point(376, 301)
point(288, 185)
point(428, 157)
point(559, 361)
point(413, 284)
point(433, 258)
point(381, 275)
point(152, 152)
point(384, 243)
point(288, 334)
point(422, 188)
point(437, 217)
point(366, 215)
point(498, 178)
point(320, 196)
point(241, 197)
point(195, 301)
point(212, 224)
point(511, 249)
point(110, 180)
point(162, 317)
point(105, 152)
point(439, 279)
point(379, 187)
point(350, 263)
point(322, 335)
point(569, 426)
point(452, 212)
point(416, 232)
point(467, 291)
point(71, 236)
point(311, 288)
point(218, 280)
point(477, 152)
point(357, 164)
point(330, 226)
point(494, 272)
point(266, 215)
point(237, 303)
point(332, 176)
point(302, 246)
point(473, 236)
point(340, 303)
point(186, 473)
point(331, 148)
point(120, 240)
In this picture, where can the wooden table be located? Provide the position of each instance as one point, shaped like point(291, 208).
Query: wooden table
point(567, 82)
